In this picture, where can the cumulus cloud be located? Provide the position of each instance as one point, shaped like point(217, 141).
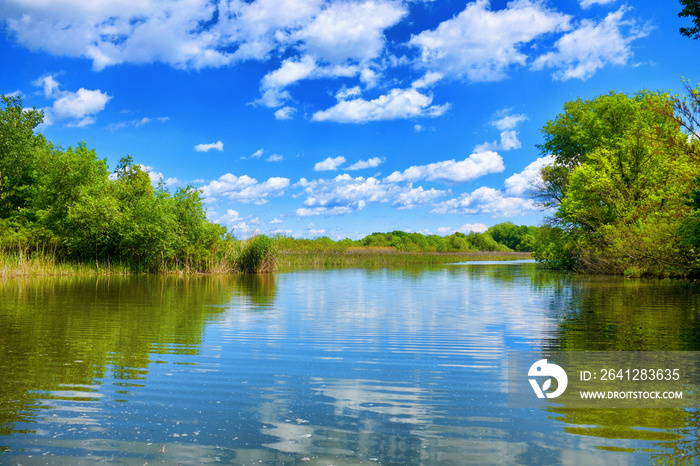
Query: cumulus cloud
point(76, 108)
point(369, 163)
point(350, 30)
point(508, 121)
point(285, 113)
point(397, 104)
point(487, 201)
point(320, 39)
point(244, 189)
point(452, 171)
point(345, 194)
point(330, 163)
point(509, 137)
point(521, 183)
point(345, 191)
point(275, 158)
point(218, 145)
point(481, 45)
point(580, 53)
point(414, 197)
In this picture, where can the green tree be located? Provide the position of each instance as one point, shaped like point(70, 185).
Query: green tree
point(691, 9)
point(621, 170)
point(19, 150)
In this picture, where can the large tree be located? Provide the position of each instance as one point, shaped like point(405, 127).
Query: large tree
point(19, 151)
point(622, 169)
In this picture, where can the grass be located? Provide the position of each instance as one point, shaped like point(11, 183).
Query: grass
point(22, 265)
point(255, 255)
point(382, 257)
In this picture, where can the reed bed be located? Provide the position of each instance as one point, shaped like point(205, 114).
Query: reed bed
point(21, 265)
point(382, 257)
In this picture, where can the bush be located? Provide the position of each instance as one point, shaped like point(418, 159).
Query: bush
point(257, 255)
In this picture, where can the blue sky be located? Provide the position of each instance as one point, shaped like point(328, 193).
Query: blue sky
point(335, 117)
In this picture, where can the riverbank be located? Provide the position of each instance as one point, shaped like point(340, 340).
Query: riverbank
point(18, 265)
point(384, 257)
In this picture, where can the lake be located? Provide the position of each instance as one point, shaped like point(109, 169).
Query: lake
point(346, 366)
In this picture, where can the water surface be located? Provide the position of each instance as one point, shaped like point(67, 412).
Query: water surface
point(353, 366)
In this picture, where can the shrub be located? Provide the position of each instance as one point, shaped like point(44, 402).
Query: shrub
point(257, 255)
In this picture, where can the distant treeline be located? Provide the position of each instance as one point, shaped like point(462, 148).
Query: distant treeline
point(503, 237)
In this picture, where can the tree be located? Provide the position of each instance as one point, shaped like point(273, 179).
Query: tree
point(19, 147)
point(691, 9)
point(621, 170)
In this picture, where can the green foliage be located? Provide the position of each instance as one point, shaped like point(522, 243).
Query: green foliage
point(622, 167)
point(65, 203)
point(258, 255)
point(691, 9)
point(20, 151)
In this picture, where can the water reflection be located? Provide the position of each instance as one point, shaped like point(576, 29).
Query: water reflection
point(62, 337)
point(402, 366)
point(614, 314)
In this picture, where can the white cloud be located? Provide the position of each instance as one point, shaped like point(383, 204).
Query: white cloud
point(580, 53)
point(49, 84)
point(218, 145)
point(521, 183)
point(244, 189)
point(275, 158)
point(427, 80)
point(414, 197)
point(509, 137)
point(330, 163)
point(291, 71)
point(369, 163)
point(285, 113)
point(348, 92)
point(482, 45)
point(351, 30)
point(155, 177)
point(451, 171)
point(137, 123)
point(399, 103)
point(344, 193)
point(78, 107)
point(488, 201)
point(229, 217)
point(508, 121)
point(257, 154)
point(79, 104)
point(466, 228)
point(589, 3)
point(338, 210)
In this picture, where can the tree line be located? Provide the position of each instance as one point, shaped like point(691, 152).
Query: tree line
point(67, 203)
